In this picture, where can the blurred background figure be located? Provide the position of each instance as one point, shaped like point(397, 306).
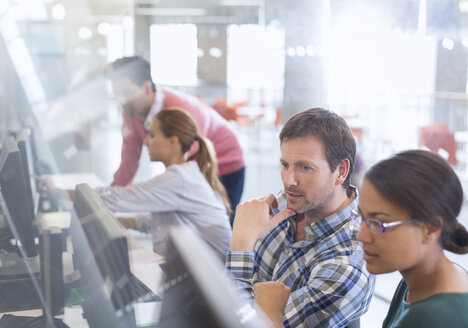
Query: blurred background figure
point(141, 100)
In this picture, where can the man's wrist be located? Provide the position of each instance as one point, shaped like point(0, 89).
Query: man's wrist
point(239, 244)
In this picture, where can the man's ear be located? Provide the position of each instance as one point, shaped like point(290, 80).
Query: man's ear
point(148, 87)
point(342, 171)
point(431, 232)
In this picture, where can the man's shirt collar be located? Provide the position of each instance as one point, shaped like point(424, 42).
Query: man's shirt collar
point(157, 106)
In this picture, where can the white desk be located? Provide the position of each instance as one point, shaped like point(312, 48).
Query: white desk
point(68, 181)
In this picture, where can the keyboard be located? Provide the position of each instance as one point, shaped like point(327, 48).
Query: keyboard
point(12, 321)
point(12, 266)
point(141, 292)
point(18, 283)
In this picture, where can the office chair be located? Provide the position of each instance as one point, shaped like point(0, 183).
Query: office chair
point(438, 136)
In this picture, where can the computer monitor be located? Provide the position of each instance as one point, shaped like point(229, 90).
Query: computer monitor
point(53, 290)
point(43, 160)
point(17, 198)
point(25, 147)
point(196, 291)
point(109, 251)
point(98, 309)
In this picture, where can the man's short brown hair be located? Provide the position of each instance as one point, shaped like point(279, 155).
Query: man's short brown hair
point(135, 68)
point(332, 130)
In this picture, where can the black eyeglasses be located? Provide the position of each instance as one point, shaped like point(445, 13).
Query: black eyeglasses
point(378, 227)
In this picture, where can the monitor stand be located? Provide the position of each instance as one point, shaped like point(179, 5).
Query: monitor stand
point(50, 286)
point(13, 266)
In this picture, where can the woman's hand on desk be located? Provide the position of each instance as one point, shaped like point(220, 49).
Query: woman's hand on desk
point(128, 223)
point(46, 185)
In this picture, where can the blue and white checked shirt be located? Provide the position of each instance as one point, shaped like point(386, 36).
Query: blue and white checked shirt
point(330, 286)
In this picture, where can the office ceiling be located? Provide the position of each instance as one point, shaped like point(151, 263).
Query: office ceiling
point(444, 17)
point(179, 11)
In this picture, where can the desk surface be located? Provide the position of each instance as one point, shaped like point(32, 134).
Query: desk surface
point(68, 181)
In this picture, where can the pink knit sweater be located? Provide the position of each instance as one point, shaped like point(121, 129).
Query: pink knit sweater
point(210, 125)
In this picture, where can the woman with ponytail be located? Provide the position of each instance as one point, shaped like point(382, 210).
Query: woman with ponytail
point(409, 205)
point(189, 192)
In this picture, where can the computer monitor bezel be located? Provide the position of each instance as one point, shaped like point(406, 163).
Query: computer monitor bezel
point(24, 142)
point(194, 263)
point(106, 242)
point(13, 188)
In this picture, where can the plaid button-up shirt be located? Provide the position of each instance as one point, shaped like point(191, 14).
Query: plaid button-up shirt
point(330, 286)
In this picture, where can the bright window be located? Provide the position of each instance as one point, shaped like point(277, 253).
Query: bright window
point(255, 56)
point(174, 53)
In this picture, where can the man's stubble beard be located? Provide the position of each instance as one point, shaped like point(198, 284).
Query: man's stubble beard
point(314, 210)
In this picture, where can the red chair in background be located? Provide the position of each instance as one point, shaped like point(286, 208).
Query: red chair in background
point(238, 112)
point(357, 132)
point(438, 136)
point(227, 112)
point(279, 116)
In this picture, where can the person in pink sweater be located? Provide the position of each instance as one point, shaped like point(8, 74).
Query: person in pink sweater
point(141, 100)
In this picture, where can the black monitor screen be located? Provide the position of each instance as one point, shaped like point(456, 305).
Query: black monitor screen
point(196, 292)
point(108, 244)
point(97, 306)
point(27, 160)
point(17, 198)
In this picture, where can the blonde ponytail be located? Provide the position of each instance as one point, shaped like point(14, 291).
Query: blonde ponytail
point(206, 159)
point(177, 122)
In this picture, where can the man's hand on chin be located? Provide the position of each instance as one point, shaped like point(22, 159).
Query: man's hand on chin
point(253, 222)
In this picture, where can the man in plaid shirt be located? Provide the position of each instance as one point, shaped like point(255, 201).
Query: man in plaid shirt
point(311, 245)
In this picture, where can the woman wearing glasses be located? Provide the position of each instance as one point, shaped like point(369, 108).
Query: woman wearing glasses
point(409, 205)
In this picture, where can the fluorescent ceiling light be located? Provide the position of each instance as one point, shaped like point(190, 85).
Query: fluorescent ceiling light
point(463, 6)
point(215, 52)
point(170, 11)
point(291, 51)
point(85, 33)
point(58, 11)
point(104, 28)
point(448, 43)
point(310, 50)
point(148, 2)
point(241, 2)
point(300, 51)
point(127, 22)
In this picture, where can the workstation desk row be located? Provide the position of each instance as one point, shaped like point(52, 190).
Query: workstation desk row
point(72, 264)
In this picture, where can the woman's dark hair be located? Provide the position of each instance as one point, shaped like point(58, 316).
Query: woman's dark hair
point(179, 123)
point(424, 184)
point(332, 130)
